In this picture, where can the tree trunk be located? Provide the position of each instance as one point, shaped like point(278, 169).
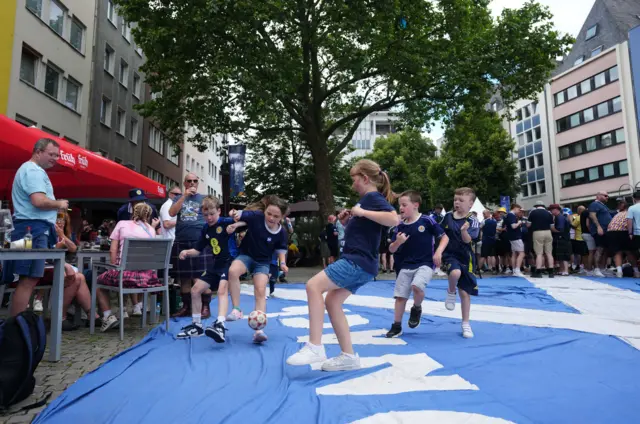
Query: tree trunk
point(320, 154)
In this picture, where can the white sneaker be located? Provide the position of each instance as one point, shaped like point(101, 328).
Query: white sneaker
point(342, 362)
point(466, 331)
point(259, 337)
point(440, 273)
point(598, 273)
point(235, 315)
point(518, 273)
point(507, 271)
point(636, 274)
point(109, 322)
point(309, 354)
point(37, 305)
point(450, 302)
point(619, 274)
point(582, 271)
point(137, 310)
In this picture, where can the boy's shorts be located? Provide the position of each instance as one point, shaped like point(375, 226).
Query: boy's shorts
point(347, 275)
point(418, 277)
point(213, 277)
point(467, 281)
point(253, 267)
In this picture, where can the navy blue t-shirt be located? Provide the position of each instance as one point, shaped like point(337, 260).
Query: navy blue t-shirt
point(541, 219)
point(260, 242)
point(190, 220)
point(215, 239)
point(457, 248)
point(418, 250)
point(603, 215)
point(561, 224)
point(512, 233)
point(489, 231)
point(362, 235)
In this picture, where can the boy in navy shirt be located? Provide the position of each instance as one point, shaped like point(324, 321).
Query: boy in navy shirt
point(414, 257)
point(215, 240)
point(461, 227)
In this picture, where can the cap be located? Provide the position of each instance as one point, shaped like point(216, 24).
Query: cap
point(555, 206)
point(136, 195)
point(539, 203)
point(502, 210)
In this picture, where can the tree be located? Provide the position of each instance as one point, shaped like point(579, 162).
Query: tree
point(405, 156)
point(477, 153)
point(320, 67)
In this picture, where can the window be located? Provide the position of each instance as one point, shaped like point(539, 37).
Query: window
point(139, 50)
point(623, 167)
point(50, 131)
point(133, 136)
point(591, 32)
point(56, 17)
point(519, 115)
point(585, 86)
point(136, 85)
point(533, 190)
point(606, 140)
point(588, 115)
point(617, 104)
point(521, 140)
point(572, 92)
point(564, 152)
point(25, 121)
point(126, 30)
point(109, 59)
point(121, 122)
point(71, 140)
point(613, 74)
point(579, 177)
point(531, 161)
point(608, 170)
point(172, 154)
point(72, 95)
point(560, 98)
point(111, 12)
point(594, 173)
point(529, 136)
point(123, 77)
point(567, 179)
point(537, 133)
point(603, 109)
point(591, 144)
point(77, 34)
point(103, 153)
point(542, 187)
point(35, 6)
point(539, 160)
point(574, 120)
point(596, 51)
point(525, 190)
point(117, 160)
point(156, 141)
point(52, 81)
point(620, 138)
point(578, 61)
point(28, 66)
point(577, 149)
point(155, 175)
point(600, 80)
point(105, 111)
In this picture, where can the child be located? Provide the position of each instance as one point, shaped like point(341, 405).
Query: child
point(264, 236)
point(216, 238)
point(461, 228)
point(357, 266)
point(413, 251)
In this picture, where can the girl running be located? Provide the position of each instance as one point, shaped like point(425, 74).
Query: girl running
point(357, 266)
point(264, 236)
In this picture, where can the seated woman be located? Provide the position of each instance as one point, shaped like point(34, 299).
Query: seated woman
point(137, 227)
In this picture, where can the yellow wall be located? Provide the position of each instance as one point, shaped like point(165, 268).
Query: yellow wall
point(7, 25)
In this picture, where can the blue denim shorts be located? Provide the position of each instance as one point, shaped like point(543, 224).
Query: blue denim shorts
point(254, 267)
point(347, 275)
point(33, 268)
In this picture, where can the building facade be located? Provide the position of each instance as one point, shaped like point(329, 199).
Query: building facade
point(116, 129)
point(373, 126)
point(45, 64)
point(206, 165)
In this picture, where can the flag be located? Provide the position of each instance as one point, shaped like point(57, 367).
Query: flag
point(236, 162)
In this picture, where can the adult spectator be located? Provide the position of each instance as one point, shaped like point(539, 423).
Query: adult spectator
point(503, 245)
point(332, 238)
point(578, 245)
point(488, 249)
point(35, 207)
point(340, 229)
point(437, 214)
point(136, 196)
point(514, 234)
point(633, 228)
point(188, 210)
point(618, 237)
point(168, 222)
point(600, 218)
point(561, 239)
point(585, 224)
point(540, 221)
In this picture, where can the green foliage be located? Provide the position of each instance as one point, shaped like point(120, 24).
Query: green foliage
point(319, 68)
point(478, 153)
point(406, 156)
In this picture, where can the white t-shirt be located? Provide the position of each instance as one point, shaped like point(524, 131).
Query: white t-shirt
point(164, 216)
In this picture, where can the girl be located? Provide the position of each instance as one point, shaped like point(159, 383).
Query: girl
point(357, 266)
point(265, 235)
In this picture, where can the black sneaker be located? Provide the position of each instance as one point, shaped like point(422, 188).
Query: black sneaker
point(283, 279)
point(414, 316)
point(551, 272)
point(396, 330)
point(216, 331)
point(191, 330)
point(536, 274)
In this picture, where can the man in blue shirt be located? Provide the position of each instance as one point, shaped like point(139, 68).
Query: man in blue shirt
point(35, 208)
point(512, 223)
point(488, 249)
point(188, 209)
point(600, 218)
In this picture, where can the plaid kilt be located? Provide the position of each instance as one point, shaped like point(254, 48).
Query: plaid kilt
point(192, 267)
point(562, 249)
point(130, 279)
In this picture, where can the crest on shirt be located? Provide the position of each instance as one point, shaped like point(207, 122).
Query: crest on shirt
point(268, 239)
point(421, 228)
point(219, 230)
point(207, 236)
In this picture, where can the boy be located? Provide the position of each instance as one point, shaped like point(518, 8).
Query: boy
point(214, 236)
point(413, 252)
point(461, 227)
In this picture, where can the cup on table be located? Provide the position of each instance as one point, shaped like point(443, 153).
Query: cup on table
point(18, 244)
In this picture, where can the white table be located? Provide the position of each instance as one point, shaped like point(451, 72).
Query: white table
point(57, 256)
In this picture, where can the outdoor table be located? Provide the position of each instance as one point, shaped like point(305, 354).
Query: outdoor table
point(91, 254)
point(57, 290)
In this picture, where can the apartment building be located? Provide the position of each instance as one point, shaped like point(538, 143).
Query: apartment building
point(45, 64)
point(206, 165)
point(373, 126)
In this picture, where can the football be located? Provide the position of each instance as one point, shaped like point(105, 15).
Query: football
point(257, 320)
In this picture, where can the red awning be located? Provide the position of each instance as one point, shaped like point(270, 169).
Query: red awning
point(79, 174)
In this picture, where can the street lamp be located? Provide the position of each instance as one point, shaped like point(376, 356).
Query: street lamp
point(225, 173)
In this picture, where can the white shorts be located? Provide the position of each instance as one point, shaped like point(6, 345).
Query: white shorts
point(591, 243)
point(517, 246)
point(418, 277)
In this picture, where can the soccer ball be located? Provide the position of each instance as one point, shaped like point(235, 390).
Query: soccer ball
point(257, 320)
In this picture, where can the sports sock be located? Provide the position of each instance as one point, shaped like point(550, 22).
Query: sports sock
point(105, 314)
point(196, 318)
point(221, 318)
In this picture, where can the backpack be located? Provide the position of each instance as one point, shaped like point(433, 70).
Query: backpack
point(22, 344)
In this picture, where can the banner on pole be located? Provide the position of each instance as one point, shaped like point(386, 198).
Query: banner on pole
point(505, 202)
point(236, 164)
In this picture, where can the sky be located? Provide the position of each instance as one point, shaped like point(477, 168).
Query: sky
point(568, 16)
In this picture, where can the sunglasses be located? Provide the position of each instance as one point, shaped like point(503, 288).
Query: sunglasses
point(192, 181)
point(175, 194)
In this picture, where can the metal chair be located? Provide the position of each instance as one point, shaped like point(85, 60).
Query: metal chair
point(137, 255)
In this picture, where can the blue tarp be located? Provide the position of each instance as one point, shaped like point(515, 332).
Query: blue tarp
point(522, 374)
